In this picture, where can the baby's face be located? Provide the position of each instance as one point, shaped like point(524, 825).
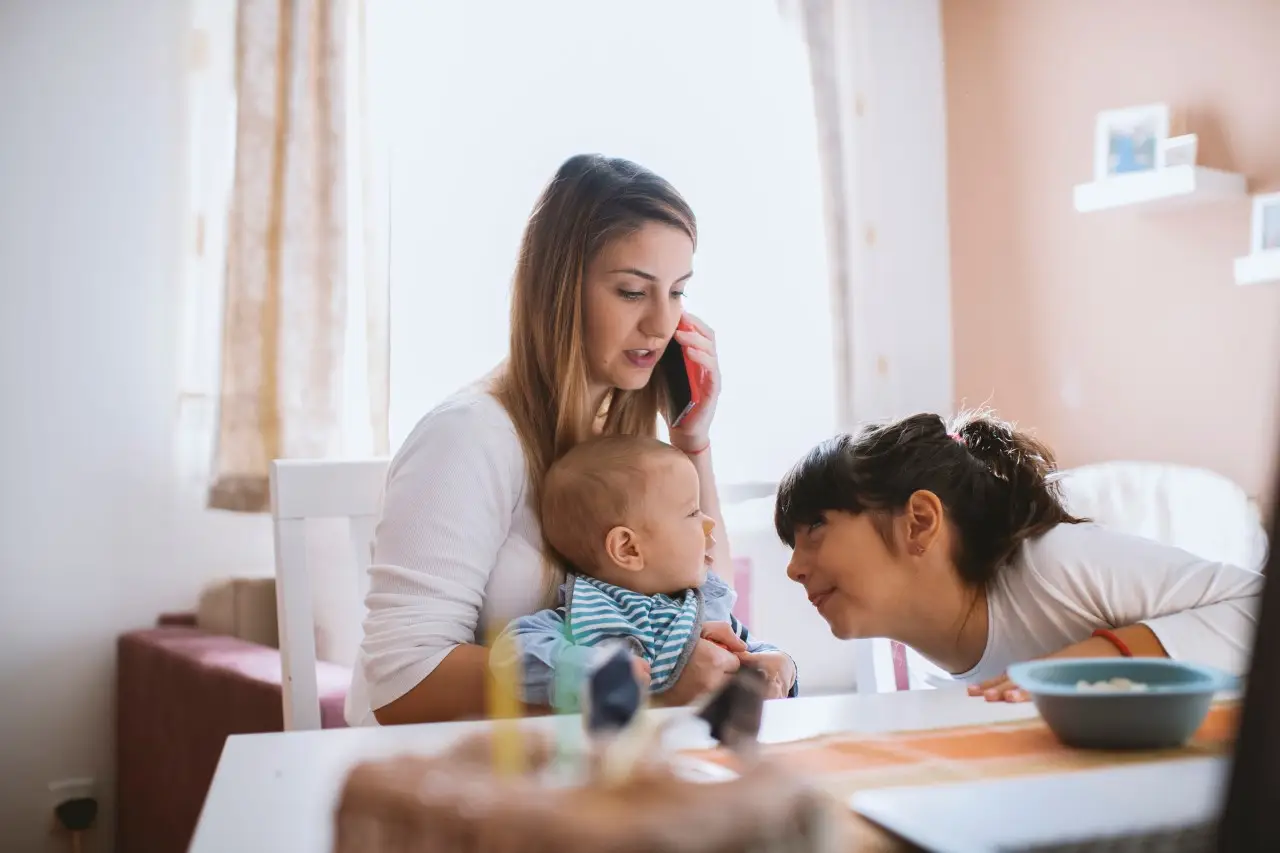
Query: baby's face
point(676, 535)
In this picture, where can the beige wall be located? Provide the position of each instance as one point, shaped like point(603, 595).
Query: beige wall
point(98, 531)
point(1115, 335)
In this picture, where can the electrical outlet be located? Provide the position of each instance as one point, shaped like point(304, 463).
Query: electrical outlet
point(72, 789)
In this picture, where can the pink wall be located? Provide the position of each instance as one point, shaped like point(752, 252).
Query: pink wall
point(1114, 335)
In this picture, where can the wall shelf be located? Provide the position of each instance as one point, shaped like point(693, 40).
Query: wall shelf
point(1160, 189)
point(1259, 268)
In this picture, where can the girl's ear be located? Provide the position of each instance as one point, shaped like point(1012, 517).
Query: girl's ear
point(924, 521)
point(622, 545)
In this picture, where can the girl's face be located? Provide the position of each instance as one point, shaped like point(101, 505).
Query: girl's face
point(850, 575)
point(633, 296)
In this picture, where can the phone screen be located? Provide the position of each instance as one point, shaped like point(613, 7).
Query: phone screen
point(679, 393)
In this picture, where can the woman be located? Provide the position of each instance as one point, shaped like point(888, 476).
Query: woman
point(597, 294)
point(956, 543)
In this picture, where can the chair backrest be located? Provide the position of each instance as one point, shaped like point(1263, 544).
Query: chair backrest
point(1190, 508)
point(312, 489)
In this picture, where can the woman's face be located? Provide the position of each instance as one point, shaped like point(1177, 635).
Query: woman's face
point(850, 575)
point(632, 300)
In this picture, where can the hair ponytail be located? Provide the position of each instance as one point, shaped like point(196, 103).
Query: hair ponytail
point(997, 484)
point(1031, 500)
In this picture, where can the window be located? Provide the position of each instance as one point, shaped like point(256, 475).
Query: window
point(482, 101)
point(477, 104)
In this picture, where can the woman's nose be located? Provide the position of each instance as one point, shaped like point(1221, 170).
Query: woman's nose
point(661, 318)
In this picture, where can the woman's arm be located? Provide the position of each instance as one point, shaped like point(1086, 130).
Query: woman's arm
point(694, 435)
point(454, 690)
point(710, 501)
point(447, 511)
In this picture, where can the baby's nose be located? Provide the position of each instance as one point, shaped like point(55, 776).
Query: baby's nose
point(708, 525)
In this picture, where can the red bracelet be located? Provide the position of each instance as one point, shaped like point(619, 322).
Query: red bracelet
point(1111, 638)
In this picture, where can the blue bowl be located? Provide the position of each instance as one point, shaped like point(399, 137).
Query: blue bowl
point(1166, 714)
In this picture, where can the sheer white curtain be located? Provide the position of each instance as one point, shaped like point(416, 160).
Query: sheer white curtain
point(878, 87)
point(485, 99)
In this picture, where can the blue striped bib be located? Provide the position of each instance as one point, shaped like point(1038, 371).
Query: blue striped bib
point(661, 628)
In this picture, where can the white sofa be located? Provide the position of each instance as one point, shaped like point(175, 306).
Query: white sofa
point(1198, 510)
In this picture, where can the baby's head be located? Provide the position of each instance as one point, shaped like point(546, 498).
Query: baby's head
point(625, 510)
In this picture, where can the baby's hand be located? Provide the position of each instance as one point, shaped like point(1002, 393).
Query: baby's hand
point(723, 636)
point(779, 672)
point(640, 668)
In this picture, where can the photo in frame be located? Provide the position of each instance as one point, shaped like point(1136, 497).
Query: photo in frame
point(1266, 223)
point(1179, 150)
point(1129, 140)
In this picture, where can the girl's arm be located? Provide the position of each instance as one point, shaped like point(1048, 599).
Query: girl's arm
point(1158, 600)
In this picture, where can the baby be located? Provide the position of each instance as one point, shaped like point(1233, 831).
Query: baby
point(623, 512)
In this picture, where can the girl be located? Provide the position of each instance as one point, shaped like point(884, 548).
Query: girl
point(598, 290)
point(955, 542)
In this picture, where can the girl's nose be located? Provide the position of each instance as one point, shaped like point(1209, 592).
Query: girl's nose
point(796, 571)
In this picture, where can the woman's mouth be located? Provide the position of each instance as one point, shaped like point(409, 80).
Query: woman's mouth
point(642, 357)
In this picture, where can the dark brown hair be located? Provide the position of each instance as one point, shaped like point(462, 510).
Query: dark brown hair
point(996, 484)
point(590, 201)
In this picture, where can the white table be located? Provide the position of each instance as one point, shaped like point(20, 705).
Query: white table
point(276, 792)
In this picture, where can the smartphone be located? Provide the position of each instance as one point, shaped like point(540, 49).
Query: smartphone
point(683, 377)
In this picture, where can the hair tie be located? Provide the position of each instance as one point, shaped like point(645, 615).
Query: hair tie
point(955, 436)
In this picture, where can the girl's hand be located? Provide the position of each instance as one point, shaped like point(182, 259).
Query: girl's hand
point(1002, 689)
point(694, 433)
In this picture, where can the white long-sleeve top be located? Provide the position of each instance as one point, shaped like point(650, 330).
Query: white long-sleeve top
point(459, 546)
point(1062, 586)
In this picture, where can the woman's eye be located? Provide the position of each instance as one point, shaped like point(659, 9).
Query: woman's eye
point(632, 295)
point(677, 294)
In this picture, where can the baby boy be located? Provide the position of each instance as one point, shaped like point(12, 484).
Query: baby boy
point(623, 512)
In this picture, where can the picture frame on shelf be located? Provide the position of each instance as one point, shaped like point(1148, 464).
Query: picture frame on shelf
point(1129, 140)
point(1178, 151)
point(1266, 223)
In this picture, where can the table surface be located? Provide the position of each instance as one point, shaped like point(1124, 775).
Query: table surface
point(277, 792)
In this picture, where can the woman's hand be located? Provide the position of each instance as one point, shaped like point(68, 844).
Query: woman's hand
point(779, 672)
point(721, 633)
point(694, 433)
point(706, 670)
point(640, 669)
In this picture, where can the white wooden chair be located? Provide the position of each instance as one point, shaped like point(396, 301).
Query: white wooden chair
point(312, 489)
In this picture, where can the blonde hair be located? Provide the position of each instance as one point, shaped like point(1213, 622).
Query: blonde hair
point(595, 487)
point(543, 385)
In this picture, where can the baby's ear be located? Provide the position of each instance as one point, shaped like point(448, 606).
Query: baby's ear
point(622, 545)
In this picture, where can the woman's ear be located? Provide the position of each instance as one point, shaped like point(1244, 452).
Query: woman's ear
point(622, 545)
point(924, 521)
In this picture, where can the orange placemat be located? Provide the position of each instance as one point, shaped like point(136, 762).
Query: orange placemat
point(847, 763)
